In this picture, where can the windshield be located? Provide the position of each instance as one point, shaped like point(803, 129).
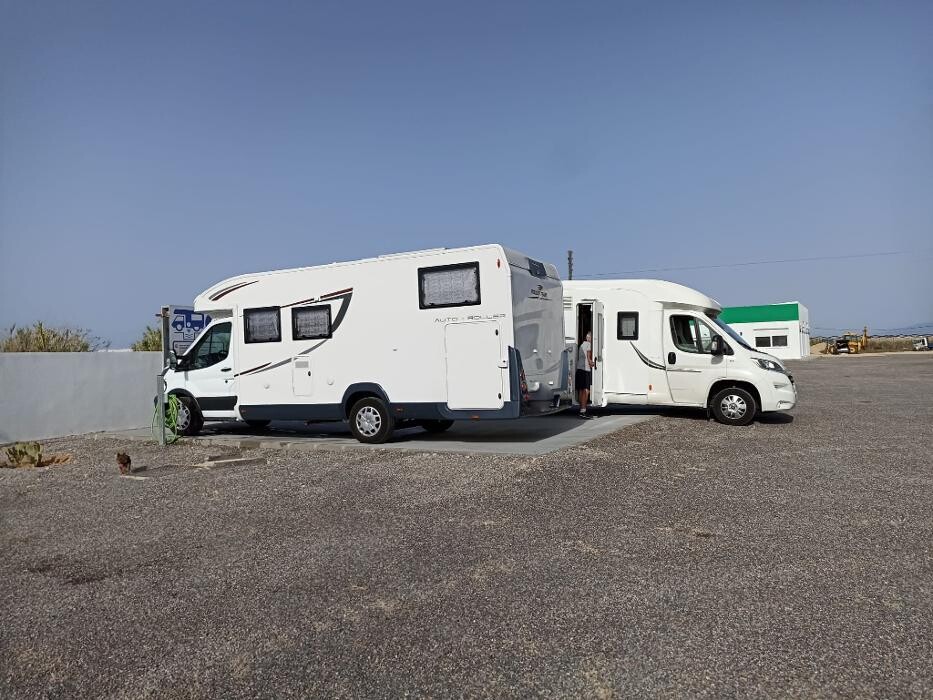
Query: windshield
point(731, 333)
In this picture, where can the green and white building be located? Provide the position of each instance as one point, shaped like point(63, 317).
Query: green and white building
point(782, 330)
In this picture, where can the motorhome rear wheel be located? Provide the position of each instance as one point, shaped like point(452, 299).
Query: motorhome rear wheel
point(370, 421)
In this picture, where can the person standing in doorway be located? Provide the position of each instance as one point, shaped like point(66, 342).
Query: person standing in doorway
point(584, 373)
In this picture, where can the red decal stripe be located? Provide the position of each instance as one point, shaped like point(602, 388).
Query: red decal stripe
point(336, 294)
point(225, 292)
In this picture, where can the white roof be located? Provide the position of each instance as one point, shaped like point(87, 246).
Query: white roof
point(204, 302)
point(657, 290)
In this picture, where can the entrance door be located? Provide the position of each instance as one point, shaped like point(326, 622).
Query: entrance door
point(209, 372)
point(590, 320)
point(475, 366)
point(599, 334)
point(691, 366)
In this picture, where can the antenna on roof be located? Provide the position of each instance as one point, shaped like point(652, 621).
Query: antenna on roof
point(570, 264)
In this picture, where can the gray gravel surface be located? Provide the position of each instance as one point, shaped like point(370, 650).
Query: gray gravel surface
point(674, 558)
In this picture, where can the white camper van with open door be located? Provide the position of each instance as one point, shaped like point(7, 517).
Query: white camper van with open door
point(660, 343)
point(422, 338)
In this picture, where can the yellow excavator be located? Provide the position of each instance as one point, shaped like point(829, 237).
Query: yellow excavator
point(848, 343)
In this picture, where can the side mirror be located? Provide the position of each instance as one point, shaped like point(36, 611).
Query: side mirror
point(716, 346)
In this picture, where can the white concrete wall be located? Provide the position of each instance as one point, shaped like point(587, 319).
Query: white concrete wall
point(792, 329)
point(804, 330)
point(50, 394)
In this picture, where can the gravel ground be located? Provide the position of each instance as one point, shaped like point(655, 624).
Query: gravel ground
point(676, 557)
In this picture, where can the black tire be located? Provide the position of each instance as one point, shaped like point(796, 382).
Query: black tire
point(370, 421)
point(189, 421)
point(734, 406)
point(436, 426)
point(258, 424)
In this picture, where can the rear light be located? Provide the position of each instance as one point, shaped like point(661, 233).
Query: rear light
point(524, 387)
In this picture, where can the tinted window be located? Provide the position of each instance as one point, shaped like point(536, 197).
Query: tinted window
point(310, 322)
point(448, 285)
point(212, 348)
point(762, 341)
point(628, 325)
point(706, 338)
point(262, 325)
point(691, 335)
point(779, 341)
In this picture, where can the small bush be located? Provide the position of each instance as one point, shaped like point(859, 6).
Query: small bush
point(41, 338)
point(889, 344)
point(151, 340)
point(26, 455)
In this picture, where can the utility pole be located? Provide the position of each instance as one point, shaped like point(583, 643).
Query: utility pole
point(570, 264)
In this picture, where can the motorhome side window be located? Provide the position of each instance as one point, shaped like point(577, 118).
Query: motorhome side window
point(628, 325)
point(262, 325)
point(310, 322)
point(448, 285)
point(212, 348)
point(691, 335)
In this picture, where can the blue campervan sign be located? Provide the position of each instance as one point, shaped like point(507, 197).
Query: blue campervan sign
point(184, 326)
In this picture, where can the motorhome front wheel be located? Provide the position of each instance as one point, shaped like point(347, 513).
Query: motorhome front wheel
point(734, 406)
point(189, 421)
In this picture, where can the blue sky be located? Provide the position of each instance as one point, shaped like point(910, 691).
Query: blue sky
point(148, 150)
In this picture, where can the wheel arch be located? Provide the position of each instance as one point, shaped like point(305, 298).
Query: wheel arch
point(721, 384)
point(362, 390)
point(187, 394)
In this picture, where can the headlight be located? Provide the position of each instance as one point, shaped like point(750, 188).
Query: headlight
point(770, 364)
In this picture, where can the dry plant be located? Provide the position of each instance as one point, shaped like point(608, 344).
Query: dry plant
point(41, 338)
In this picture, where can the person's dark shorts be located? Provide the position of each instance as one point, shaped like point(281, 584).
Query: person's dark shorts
point(583, 379)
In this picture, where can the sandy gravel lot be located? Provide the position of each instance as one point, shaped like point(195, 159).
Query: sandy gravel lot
point(676, 557)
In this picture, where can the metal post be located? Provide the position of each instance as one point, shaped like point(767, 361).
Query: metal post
point(160, 397)
point(160, 381)
point(570, 264)
point(165, 333)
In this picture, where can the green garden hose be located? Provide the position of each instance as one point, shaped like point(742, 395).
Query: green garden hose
point(171, 420)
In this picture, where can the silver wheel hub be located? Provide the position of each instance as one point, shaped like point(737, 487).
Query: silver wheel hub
point(733, 407)
point(183, 418)
point(368, 421)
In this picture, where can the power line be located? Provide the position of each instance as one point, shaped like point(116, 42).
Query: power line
point(757, 262)
point(908, 328)
point(879, 332)
point(899, 328)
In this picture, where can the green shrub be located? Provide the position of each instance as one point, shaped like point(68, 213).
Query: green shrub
point(24, 454)
point(41, 338)
point(151, 340)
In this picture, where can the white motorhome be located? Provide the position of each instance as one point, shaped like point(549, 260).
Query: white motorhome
point(422, 338)
point(662, 344)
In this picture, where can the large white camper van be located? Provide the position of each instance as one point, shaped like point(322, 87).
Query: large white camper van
point(424, 338)
point(660, 343)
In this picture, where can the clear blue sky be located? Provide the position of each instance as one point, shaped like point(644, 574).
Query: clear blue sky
point(148, 150)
